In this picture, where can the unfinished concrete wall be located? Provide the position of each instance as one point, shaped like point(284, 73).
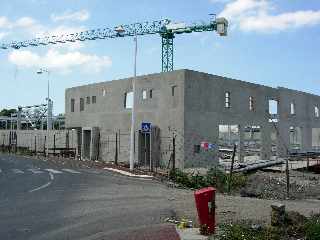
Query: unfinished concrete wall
point(36, 139)
point(191, 106)
point(316, 139)
point(162, 106)
point(297, 110)
point(205, 110)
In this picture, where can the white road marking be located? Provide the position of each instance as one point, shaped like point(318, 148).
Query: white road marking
point(129, 174)
point(0, 170)
point(70, 170)
point(17, 171)
point(41, 187)
point(45, 185)
point(36, 171)
point(53, 171)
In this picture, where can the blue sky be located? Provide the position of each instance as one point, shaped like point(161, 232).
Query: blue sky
point(275, 43)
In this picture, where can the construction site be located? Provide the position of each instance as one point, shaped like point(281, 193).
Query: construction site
point(197, 120)
point(264, 140)
point(206, 115)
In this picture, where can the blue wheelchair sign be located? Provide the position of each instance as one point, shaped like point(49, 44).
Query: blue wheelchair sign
point(145, 127)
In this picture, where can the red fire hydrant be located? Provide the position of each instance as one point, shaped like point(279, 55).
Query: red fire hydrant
point(205, 203)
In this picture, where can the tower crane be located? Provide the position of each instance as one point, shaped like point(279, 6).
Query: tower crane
point(167, 29)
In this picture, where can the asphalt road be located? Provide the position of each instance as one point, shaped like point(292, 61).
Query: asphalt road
point(39, 200)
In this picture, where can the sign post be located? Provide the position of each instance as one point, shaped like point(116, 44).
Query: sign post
point(146, 130)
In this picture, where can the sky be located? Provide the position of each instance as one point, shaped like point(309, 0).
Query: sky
point(274, 43)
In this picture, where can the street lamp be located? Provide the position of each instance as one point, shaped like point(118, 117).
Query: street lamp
point(49, 106)
point(120, 30)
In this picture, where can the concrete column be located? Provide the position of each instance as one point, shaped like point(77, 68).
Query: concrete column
point(266, 142)
point(278, 212)
point(306, 132)
point(50, 114)
point(241, 152)
point(19, 118)
point(283, 139)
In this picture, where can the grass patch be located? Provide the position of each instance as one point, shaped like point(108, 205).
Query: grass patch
point(296, 226)
point(214, 178)
point(242, 231)
point(312, 228)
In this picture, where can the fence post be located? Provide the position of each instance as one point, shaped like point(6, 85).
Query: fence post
point(174, 153)
point(3, 142)
point(287, 178)
point(9, 141)
point(119, 147)
point(151, 161)
point(16, 141)
point(54, 144)
point(67, 140)
point(231, 167)
point(44, 145)
point(98, 147)
point(35, 145)
point(134, 142)
point(116, 153)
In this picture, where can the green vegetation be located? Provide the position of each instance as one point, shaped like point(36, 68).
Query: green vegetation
point(214, 178)
point(312, 228)
point(7, 112)
point(297, 227)
point(245, 232)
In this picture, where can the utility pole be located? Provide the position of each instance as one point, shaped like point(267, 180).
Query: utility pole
point(133, 105)
point(49, 106)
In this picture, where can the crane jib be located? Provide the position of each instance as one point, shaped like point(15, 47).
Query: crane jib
point(165, 28)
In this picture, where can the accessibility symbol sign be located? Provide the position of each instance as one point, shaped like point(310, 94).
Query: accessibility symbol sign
point(145, 127)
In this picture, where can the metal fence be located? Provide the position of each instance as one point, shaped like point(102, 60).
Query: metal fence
point(62, 142)
point(152, 152)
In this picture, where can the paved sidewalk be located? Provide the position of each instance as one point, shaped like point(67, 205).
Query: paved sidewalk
point(190, 234)
point(153, 232)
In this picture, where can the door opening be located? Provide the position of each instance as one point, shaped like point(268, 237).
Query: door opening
point(86, 144)
point(144, 149)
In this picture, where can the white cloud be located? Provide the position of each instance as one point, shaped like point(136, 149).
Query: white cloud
point(281, 22)
point(60, 61)
point(4, 22)
point(3, 34)
point(29, 26)
point(255, 15)
point(242, 8)
point(25, 22)
point(81, 16)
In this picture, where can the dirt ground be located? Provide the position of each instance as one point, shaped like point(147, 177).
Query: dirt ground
point(236, 208)
point(272, 185)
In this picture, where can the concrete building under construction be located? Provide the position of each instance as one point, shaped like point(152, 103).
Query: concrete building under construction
point(194, 107)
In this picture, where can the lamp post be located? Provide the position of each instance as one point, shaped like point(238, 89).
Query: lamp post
point(49, 107)
point(120, 30)
point(133, 114)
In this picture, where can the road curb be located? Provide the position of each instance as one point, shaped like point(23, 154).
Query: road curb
point(128, 174)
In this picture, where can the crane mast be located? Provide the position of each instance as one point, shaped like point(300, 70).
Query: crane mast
point(165, 28)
